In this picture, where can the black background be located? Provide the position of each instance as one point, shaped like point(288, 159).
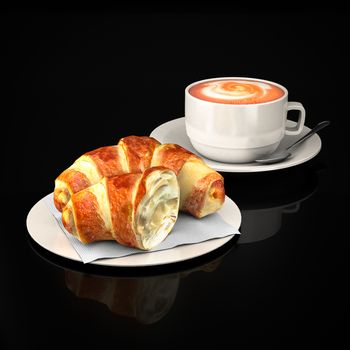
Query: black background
point(78, 80)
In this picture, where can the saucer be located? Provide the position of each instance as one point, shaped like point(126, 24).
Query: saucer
point(174, 131)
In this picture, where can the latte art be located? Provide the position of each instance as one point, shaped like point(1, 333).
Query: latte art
point(236, 91)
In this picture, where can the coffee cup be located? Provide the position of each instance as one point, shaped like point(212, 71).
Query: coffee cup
point(237, 119)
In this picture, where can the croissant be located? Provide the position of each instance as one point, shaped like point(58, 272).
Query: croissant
point(202, 189)
point(135, 209)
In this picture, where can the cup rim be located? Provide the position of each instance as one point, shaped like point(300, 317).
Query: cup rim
point(237, 105)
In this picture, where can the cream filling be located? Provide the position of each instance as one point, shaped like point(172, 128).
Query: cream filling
point(158, 210)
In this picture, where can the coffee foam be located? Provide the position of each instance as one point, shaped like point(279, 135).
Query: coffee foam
point(232, 91)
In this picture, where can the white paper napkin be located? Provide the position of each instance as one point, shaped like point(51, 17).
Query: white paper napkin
point(187, 230)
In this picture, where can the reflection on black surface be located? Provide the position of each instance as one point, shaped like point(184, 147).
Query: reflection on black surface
point(264, 198)
point(147, 299)
point(148, 294)
point(144, 294)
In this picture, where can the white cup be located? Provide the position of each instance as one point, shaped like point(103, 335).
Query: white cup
point(239, 133)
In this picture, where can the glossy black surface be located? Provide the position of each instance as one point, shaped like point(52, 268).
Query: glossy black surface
point(81, 80)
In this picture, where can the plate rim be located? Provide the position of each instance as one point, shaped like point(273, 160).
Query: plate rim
point(113, 262)
point(246, 168)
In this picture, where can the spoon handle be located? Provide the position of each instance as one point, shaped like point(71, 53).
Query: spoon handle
point(318, 127)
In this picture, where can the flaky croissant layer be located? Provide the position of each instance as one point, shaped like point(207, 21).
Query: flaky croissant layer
point(137, 210)
point(202, 188)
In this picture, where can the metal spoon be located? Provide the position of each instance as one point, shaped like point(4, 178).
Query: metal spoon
point(284, 154)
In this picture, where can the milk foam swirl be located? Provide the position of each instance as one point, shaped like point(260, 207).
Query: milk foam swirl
point(236, 91)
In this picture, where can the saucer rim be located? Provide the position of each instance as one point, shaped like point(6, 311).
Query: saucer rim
point(252, 166)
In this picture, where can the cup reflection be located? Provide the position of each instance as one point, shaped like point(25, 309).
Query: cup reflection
point(265, 198)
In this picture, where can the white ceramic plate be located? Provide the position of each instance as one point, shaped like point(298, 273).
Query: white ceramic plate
point(44, 229)
point(174, 131)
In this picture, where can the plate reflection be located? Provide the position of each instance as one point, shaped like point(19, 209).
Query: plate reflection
point(144, 294)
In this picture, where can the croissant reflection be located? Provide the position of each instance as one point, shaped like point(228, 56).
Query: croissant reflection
point(146, 299)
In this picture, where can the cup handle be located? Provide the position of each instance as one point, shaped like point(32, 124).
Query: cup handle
point(296, 130)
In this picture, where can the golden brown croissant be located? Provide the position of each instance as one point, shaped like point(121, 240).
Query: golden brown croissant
point(135, 209)
point(201, 188)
